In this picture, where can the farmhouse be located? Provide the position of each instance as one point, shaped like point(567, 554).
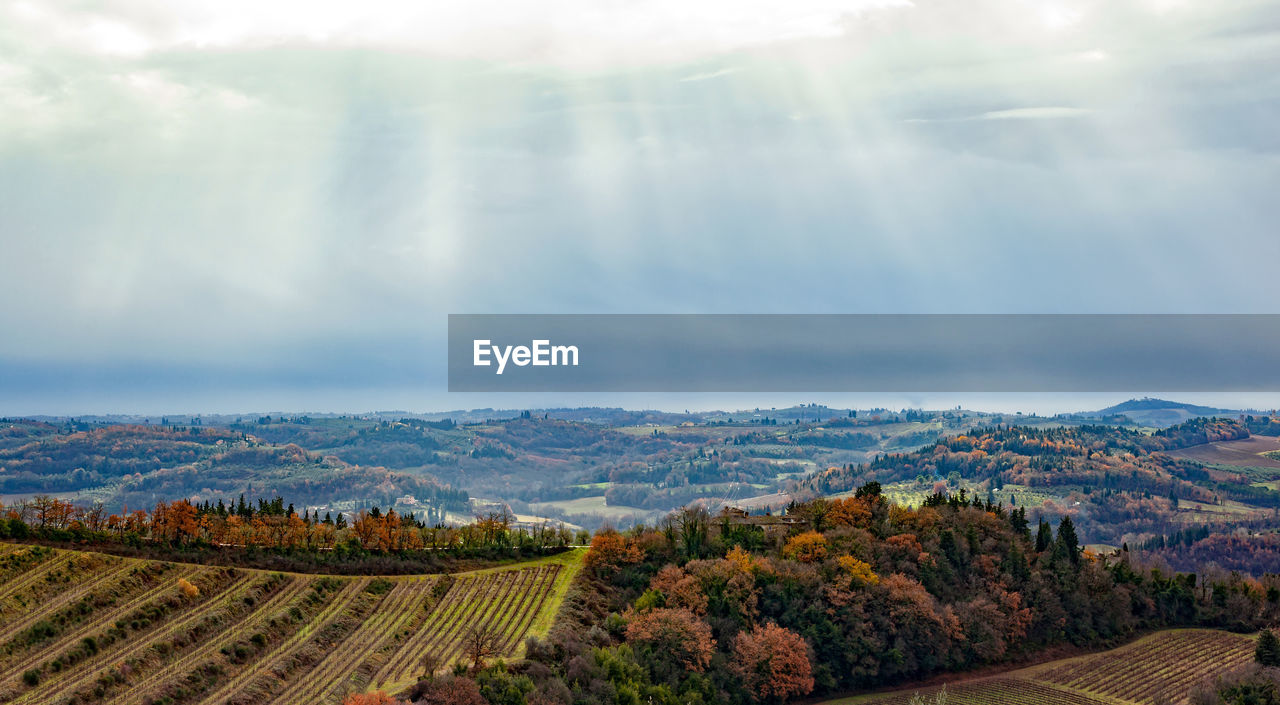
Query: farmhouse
point(773, 526)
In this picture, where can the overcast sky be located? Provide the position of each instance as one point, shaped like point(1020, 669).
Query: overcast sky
point(241, 205)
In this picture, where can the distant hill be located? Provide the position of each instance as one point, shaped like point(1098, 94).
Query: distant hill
point(1117, 483)
point(1159, 413)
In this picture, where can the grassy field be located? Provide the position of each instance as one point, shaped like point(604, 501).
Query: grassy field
point(593, 506)
point(1162, 667)
point(78, 627)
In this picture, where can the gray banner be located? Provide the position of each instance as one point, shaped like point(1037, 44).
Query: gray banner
point(863, 353)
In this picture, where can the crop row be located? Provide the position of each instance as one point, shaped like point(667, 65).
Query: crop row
point(1165, 665)
point(997, 691)
point(288, 647)
point(12, 595)
point(78, 628)
point(150, 623)
point(16, 560)
point(194, 659)
point(144, 583)
point(72, 592)
point(179, 639)
point(338, 668)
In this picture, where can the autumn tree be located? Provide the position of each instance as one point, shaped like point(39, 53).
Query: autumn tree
point(773, 663)
point(809, 547)
point(859, 572)
point(674, 639)
point(850, 512)
point(175, 522)
point(447, 690)
point(680, 589)
point(611, 550)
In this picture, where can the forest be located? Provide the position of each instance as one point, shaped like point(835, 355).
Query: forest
point(268, 534)
point(1116, 482)
point(863, 594)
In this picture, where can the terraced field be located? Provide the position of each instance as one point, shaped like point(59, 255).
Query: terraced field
point(1162, 667)
point(89, 628)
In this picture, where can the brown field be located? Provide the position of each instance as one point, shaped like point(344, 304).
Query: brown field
point(1247, 452)
point(1166, 664)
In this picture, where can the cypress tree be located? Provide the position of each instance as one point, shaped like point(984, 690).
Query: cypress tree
point(1044, 537)
point(1068, 540)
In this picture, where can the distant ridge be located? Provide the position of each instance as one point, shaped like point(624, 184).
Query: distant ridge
point(1152, 404)
point(1159, 413)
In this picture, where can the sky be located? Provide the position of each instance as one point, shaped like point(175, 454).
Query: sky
point(241, 206)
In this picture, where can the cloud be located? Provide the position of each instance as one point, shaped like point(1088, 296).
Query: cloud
point(231, 186)
point(1043, 113)
point(572, 33)
point(1034, 113)
point(709, 75)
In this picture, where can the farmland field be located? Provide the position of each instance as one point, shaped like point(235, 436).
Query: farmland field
point(1246, 452)
point(1162, 667)
point(79, 627)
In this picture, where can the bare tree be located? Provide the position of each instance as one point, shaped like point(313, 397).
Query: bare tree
point(479, 643)
point(430, 663)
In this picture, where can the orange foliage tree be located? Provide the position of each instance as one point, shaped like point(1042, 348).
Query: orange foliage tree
point(675, 636)
point(809, 547)
point(773, 663)
point(611, 550)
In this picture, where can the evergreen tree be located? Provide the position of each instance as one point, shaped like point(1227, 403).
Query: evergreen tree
point(1268, 651)
point(1044, 537)
point(1068, 540)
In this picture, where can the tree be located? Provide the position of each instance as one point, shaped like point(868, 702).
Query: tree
point(448, 690)
point(1267, 652)
point(680, 589)
point(611, 550)
point(1067, 539)
point(773, 663)
point(374, 698)
point(479, 643)
point(1044, 537)
point(675, 639)
point(808, 547)
point(859, 571)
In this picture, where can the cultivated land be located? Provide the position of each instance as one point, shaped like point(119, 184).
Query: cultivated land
point(1246, 452)
point(79, 627)
point(1162, 667)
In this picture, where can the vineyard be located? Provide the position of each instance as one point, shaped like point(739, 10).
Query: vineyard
point(89, 628)
point(1162, 667)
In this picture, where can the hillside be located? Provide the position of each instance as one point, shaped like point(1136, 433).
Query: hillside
point(1119, 484)
point(82, 627)
point(1157, 413)
point(1163, 667)
point(585, 466)
point(135, 465)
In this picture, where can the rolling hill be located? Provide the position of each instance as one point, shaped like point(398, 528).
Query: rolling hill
point(1157, 413)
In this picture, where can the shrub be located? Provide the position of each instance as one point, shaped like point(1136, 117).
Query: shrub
point(187, 589)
